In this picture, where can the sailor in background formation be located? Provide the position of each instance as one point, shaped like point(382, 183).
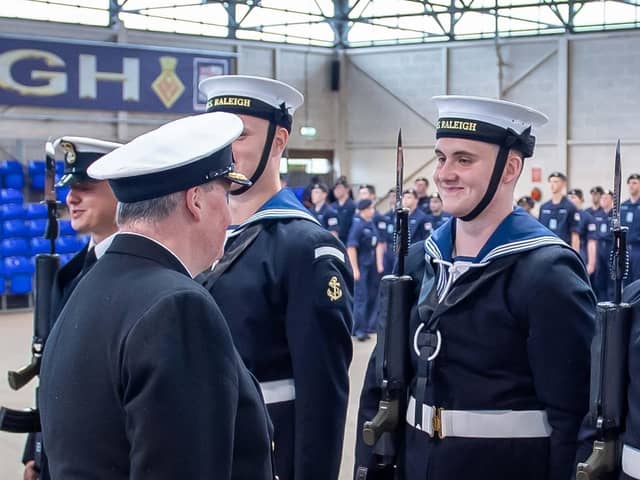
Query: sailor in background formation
point(558, 214)
point(587, 231)
point(326, 215)
point(499, 378)
point(417, 218)
point(284, 285)
point(140, 377)
point(92, 210)
point(438, 216)
point(345, 206)
point(367, 264)
point(630, 218)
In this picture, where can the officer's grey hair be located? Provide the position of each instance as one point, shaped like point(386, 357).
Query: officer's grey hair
point(153, 210)
point(148, 211)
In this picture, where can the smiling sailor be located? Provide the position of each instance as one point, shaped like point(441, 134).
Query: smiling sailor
point(501, 317)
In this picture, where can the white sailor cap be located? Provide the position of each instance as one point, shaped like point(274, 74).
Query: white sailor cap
point(488, 120)
point(261, 97)
point(79, 153)
point(175, 157)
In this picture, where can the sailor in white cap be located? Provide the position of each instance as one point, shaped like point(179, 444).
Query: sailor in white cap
point(140, 378)
point(294, 334)
point(92, 209)
point(501, 320)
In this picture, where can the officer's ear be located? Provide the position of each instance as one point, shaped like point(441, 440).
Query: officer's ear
point(194, 202)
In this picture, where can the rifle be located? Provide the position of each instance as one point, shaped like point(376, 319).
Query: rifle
point(609, 353)
point(385, 431)
point(28, 421)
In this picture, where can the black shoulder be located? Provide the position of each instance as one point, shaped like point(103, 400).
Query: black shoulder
point(632, 293)
point(299, 233)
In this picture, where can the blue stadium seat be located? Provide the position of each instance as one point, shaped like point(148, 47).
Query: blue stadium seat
point(15, 228)
point(15, 247)
point(68, 244)
point(19, 271)
point(35, 210)
point(13, 173)
point(39, 245)
point(36, 174)
point(65, 227)
point(12, 211)
point(11, 195)
point(36, 227)
point(61, 194)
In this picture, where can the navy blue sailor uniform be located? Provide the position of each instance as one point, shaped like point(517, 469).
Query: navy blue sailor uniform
point(433, 222)
point(507, 384)
point(630, 218)
point(327, 216)
point(562, 218)
point(602, 282)
point(364, 238)
point(631, 437)
point(286, 289)
point(587, 230)
point(418, 230)
point(137, 337)
point(346, 211)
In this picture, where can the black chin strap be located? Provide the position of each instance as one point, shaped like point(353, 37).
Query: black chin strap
point(501, 160)
point(264, 159)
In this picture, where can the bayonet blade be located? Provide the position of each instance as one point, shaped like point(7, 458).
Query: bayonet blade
point(399, 171)
point(617, 186)
point(50, 172)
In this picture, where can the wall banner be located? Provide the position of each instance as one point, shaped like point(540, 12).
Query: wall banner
point(105, 76)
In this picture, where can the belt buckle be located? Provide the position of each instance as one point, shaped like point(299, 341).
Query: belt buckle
point(436, 422)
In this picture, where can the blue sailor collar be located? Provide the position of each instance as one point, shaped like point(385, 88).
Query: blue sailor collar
point(282, 205)
point(518, 232)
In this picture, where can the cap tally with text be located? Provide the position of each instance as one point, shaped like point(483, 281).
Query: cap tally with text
point(265, 98)
point(487, 120)
point(179, 155)
point(79, 154)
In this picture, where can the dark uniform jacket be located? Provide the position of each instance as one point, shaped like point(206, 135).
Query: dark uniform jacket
point(345, 217)
point(288, 299)
point(631, 450)
point(67, 277)
point(140, 379)
point(561, 218)
point(327, 216)
point(515, 326)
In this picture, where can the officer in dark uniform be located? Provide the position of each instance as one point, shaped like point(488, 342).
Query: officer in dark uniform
point(285, 287)
point(418, 230)
point(558, 214)
point(92, 209)
point(630, 218)
point(498, 378)
point(437, 217)
point(631, 448)
point(345, 206)
point(596, 192)
point(140, 378)
point(587, 230)
point(323, 212)
point(363, 254)
point(602, 282)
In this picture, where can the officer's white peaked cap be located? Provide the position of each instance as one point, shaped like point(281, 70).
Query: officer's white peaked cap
point(79, 154)
point(174, 157)
point(267, 90)
point(495, 112)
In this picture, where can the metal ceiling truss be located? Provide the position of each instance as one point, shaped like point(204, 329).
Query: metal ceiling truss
point(352, 23)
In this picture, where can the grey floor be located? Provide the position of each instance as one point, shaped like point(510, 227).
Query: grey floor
point(15, 335)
